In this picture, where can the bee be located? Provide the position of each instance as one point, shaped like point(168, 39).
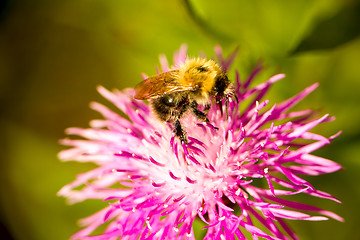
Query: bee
point(175, 92)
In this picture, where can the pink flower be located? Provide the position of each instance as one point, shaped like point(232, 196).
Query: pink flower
point(155, 187)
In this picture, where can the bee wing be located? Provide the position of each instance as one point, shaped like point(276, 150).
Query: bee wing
point(158, 85)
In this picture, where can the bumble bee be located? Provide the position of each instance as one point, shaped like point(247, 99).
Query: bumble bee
point(173, 93)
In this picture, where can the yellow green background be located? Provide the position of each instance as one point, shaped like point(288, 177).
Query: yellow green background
point(53, 54)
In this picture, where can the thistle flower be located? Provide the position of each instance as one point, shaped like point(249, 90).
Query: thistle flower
point(155, 187)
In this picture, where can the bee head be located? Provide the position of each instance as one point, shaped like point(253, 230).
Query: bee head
point(221, 86)
point(223, 90)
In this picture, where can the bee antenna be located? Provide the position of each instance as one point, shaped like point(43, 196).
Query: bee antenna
point(236, 98)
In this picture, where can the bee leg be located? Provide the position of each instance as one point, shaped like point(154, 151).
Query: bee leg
point(207, 108)
point(219, 103)
point(183, 108)
point(180, 132)
point(226, 106)
point(199, 114)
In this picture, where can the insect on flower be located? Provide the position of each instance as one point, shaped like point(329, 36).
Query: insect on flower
point(175, 92)
point(238, 180)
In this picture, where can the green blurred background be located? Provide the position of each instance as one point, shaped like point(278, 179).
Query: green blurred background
point(53, 54)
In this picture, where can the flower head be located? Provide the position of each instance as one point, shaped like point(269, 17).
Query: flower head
point(166, 185)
